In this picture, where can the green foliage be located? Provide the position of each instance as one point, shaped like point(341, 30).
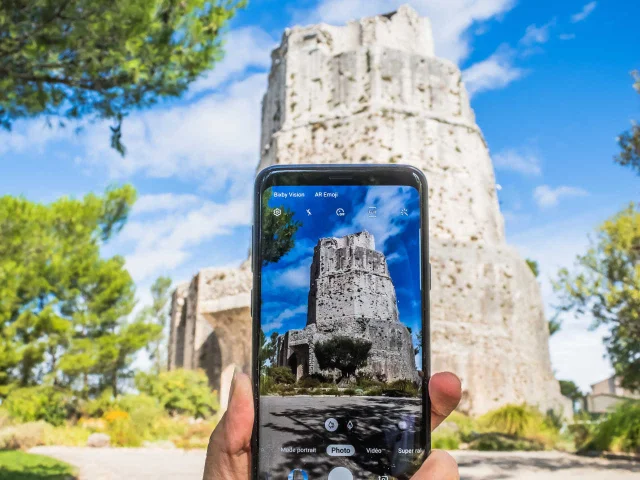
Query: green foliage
point(180, 391)
point(630, 141)
point(533, 265)
point(268, 349)
point(401, 388)
point(517, 420)
point(620, 430)
point(570, 390)
point(278, 232)
point(63, 306)
point(606, 285)
point(157, 313)
point(27, 466)
point(281, 375)
point(50, 404)
point(443, 439)
point(498, 442)
point(343, 353)
point(143, 411)
point(94, 59)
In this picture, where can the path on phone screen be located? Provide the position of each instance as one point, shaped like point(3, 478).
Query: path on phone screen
point(157, 464)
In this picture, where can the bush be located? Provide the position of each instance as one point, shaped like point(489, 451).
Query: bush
point(401, 388)
point(143, 411)
point(309, 382)
point(619, 431)
point(350, 391)
point(97, 407)
point(281, 375)
point(24, 436)
point(445, 440)
point(67, 435)
point(183, 392)
point(497, 442)
point(523, 422)
point(5, 418)
point(53, 405)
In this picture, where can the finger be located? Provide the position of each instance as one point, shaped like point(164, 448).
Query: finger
point(445, 391)
point(228, 454)
point(439, 466)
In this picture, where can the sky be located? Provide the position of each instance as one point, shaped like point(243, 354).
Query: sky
point(285, 284)
point(549, 82)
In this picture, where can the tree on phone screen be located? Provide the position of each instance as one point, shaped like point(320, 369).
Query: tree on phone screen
point(343, 353)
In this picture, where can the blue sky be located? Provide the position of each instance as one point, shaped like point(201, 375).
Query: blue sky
point(285, 284)
point(550, 86)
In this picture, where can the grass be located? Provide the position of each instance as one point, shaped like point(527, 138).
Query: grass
point(26, 466)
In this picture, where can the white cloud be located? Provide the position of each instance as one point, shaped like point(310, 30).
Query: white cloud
point(246, 47)
point(388, 202)
point(164, 202)
point(450, 19)
point(163, 243)
point(293, 277)
point(567, 36)
point(584, 13)
point(285, 315)
point(526, 163)
point(546, 196)
point(214, 141)
point(493, 73)
point(537, 35)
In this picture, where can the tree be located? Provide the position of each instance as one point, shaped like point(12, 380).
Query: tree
point(554, 324)
point(278, 231)
point(63, 306)
point(533, 265)
point(100, 60)
point(629, 142)
point(606, 284)
point(570, 390)
point(268, 349)
point(343, 353)
point(156, 313)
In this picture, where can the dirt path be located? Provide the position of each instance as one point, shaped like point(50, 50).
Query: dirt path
point(157, 464)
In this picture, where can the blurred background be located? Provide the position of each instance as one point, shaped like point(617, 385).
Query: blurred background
point(131, 133)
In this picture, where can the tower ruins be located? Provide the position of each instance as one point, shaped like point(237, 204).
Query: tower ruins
point(373, 91)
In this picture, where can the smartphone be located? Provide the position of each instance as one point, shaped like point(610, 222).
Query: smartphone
point(340, 308)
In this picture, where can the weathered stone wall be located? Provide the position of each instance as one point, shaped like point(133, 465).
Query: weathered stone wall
point(351, 294)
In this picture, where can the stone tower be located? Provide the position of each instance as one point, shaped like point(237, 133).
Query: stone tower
point(351, 294)
point(374, 92)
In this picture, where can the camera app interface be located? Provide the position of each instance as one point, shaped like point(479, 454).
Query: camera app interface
point(340, 359)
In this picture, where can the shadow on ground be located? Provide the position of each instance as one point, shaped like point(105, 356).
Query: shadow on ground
point(298, 422)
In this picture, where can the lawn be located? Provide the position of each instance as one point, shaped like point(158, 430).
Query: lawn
point(17, 465)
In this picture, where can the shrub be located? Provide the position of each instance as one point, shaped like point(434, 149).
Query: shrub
point(183, 392)
point(67, 435)
point(50, 404)
point(445, 440)
point(24, 436)
point(620, 430)
point(281, 375)
point(309, 382)
point(349, 391)
point(523, 422)
point(97, 407)
point(143, 411)
point(497, 442)
point(400, 388)
point(511, 419)
point(5, 418)
point(465, 425)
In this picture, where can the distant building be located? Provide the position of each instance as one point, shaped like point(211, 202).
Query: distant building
point(605, 395)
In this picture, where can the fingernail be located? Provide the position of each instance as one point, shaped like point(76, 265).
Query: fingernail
point(233, 383)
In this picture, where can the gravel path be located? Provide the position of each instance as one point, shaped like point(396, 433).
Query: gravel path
point(157, 464)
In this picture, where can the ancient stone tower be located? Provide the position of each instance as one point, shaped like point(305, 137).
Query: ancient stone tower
point(351, 294)
point(374, 92)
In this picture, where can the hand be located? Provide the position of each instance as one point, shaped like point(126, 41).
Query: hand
point(229, 452)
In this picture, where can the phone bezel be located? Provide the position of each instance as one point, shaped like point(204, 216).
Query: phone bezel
point(329, 175)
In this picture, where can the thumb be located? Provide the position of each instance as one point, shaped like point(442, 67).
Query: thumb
point(229, 451)
point(439, 466)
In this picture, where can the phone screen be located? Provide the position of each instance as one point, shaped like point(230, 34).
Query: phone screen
point(340, 360)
